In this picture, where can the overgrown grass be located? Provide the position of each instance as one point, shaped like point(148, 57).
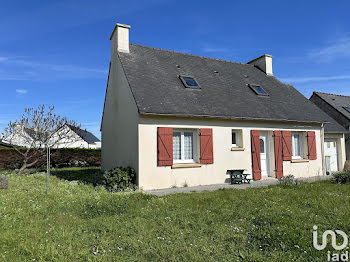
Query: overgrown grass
point(80, 222)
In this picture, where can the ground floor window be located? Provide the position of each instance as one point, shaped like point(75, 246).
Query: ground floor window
point(297, 145)
point(184, 146)
point(236, 138)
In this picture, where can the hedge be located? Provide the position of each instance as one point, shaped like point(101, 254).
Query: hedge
point(63, 157)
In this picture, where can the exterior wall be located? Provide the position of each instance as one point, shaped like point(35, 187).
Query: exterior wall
point(152, 177)
point(120, 121)
point(336, 115)
point(341, 151)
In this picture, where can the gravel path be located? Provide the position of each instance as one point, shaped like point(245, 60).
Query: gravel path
point(260, 183)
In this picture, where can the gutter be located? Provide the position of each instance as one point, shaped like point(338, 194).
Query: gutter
point(235, 118)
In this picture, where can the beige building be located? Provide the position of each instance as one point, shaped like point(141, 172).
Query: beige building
point(181, 119)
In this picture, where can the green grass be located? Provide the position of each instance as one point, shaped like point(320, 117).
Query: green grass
point(83, 222)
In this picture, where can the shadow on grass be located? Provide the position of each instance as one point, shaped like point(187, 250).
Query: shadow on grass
point(91, 175)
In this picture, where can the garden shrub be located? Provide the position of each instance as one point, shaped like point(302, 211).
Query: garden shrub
point(120, 179)
point(341, 177)
point(287, 180)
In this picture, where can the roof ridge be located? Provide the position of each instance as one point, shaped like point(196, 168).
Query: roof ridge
point(205, 57)
point(331, 94)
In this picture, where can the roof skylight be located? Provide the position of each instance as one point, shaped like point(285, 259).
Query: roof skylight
point(258, 90)
point(347, 108)
point(189, 82)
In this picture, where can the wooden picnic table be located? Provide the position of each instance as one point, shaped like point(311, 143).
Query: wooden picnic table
point(237, 176)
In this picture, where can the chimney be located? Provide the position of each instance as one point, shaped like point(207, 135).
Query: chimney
point(263, 62)
point(120, 38)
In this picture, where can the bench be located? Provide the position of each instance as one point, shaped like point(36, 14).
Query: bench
point(237, 176)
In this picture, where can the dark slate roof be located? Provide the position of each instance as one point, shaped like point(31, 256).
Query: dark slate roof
point(153, 78)
point(337, 101)
point(84, 134)
point(36, 135)
point(333, 126)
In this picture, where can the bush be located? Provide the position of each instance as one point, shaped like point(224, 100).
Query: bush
point(341, 177)
point(288, 180)
point(120, 179)
point(62, 157)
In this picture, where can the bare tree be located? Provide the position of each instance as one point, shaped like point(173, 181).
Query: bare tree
point(37, 130)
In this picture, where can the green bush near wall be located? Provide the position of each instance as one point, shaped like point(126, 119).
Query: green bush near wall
point(63, 157)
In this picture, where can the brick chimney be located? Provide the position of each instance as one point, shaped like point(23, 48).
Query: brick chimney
point(120, 38)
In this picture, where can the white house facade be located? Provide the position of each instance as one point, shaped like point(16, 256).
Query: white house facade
point(182, 119)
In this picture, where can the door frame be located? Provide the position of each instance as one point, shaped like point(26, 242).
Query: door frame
point(265, 134)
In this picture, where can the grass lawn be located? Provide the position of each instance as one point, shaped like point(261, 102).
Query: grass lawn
point(83, 222)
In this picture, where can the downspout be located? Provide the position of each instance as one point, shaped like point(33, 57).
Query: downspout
point(322, 150)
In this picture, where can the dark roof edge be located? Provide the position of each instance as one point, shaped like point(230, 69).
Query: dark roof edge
point(316, 93)
point(331, 94)
point(205, 57)
point(235, 118)
point(259, 58)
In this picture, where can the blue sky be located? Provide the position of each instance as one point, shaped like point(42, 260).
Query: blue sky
point(57, 52)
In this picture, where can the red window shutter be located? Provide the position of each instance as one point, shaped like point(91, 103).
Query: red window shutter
point(311, 145)
point(165, 146)
point(278, 153)
point(256, 164)
point(206, 141)
point(287, 145)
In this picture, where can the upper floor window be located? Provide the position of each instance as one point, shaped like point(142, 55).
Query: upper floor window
point(347, 108)
point(189, 82)
point(236, 138)
point(258, 90)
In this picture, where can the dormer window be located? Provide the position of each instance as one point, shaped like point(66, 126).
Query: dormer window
point(189, 82)
point(347, 108)
point(258, 90)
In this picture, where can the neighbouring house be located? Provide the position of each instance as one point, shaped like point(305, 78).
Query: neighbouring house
point(73, 137)
point(3, 144)
point(77, 138)
point(338, 108)
point(185, 119)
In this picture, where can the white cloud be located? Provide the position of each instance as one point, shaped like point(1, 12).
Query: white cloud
point(314, 78)
point(21, 91)
point(337, 49)
point(17, 68)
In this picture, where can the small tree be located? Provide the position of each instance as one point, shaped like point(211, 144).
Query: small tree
point(37, 130)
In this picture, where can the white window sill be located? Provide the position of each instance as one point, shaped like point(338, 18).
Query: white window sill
point(237, 149)
point(189, 165)
point(300, 160)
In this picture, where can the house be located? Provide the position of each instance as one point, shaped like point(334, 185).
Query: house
point(75, 137)
point(338, 108)
point(3, 144)
point(68, 136)
point(185, 119)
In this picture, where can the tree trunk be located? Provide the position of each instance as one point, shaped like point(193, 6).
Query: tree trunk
point(20, 171)
point(25, 166)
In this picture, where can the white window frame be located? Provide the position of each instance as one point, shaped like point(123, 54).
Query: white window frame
point(182, 151)
point(300, 145)
point(238, 138)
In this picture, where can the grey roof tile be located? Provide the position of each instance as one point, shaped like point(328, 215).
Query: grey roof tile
point(153, 78)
